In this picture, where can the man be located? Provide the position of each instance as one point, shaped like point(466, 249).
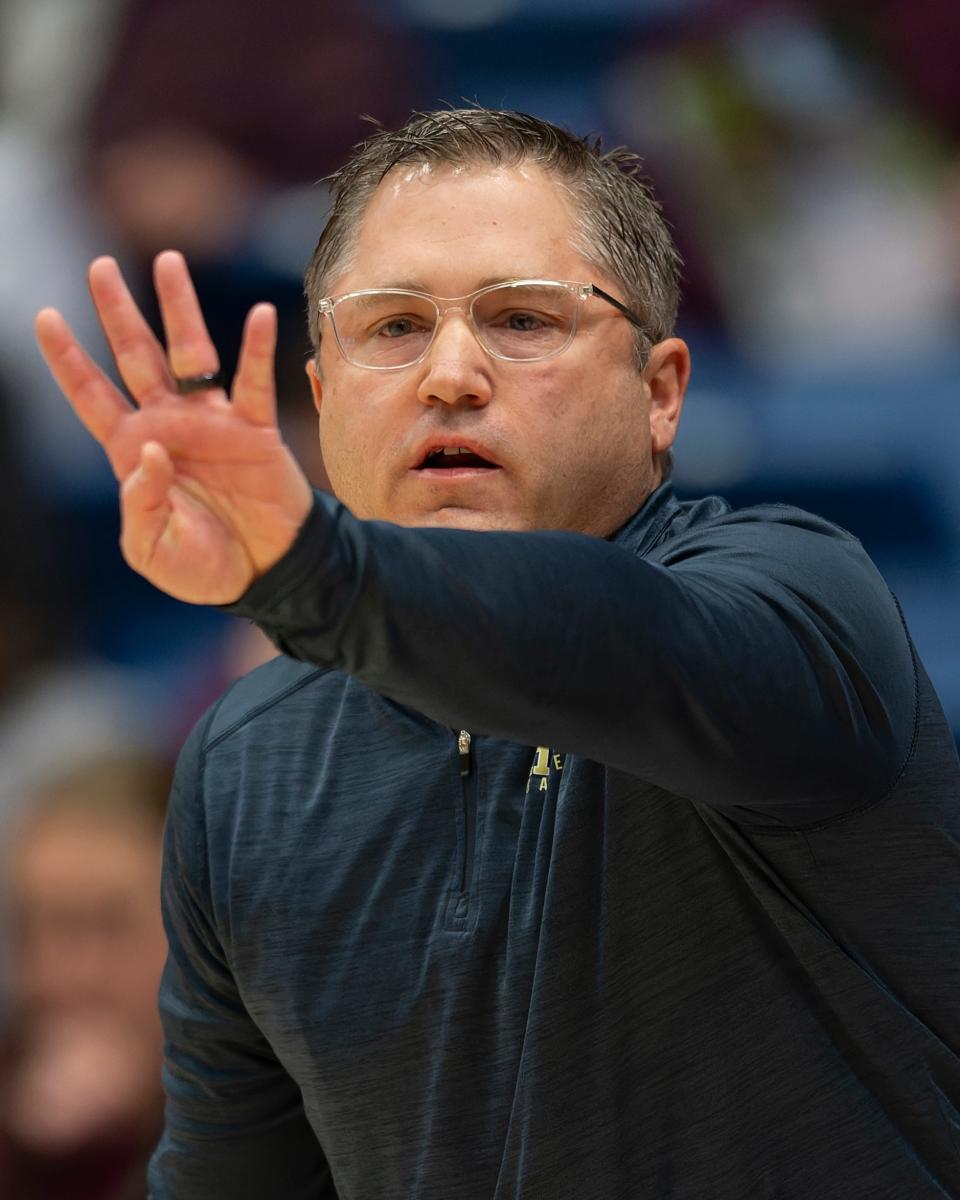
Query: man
point(599, 846)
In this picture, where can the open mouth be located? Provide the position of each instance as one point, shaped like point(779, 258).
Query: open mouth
point(452, 458)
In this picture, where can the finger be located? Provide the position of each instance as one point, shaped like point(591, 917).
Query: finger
point(139, 356)
point(254, 392)
point(189, 348)
point(145, 503)
point(95, 400)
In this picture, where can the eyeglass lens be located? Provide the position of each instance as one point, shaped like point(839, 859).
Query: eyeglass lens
point(392, 329)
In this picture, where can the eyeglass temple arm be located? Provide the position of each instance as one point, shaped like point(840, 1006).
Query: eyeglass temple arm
point(631, 316)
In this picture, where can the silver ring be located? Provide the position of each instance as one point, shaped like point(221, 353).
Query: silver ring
point(189, 384)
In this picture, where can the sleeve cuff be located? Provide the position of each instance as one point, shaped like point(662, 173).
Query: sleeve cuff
point(310, 549)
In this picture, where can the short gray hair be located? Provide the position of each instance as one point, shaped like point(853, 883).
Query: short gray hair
point(621, 228)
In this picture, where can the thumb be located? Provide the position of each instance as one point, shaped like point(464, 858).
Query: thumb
point(145, 504)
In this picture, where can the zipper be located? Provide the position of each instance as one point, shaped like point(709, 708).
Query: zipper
point(458, 909)
point(463, 748)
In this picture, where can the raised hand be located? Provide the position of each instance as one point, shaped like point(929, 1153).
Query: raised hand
point(210, 496)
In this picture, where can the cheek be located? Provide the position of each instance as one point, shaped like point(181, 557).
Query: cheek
point(545, 401)
point(583, 407)
point(607, 433)
point(341, 436)
point(353, 437)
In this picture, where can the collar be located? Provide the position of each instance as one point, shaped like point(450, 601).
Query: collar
point(642, 531)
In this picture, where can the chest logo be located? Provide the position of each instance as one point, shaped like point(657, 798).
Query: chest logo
point(545, 763)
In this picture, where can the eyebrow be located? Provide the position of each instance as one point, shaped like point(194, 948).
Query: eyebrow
point(489, 280)
point(417, 285)
point(403, 285)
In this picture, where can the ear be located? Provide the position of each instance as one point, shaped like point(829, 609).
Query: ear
point(667, 375)
point(316, 387)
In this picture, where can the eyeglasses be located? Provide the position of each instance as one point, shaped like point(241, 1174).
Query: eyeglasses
point(523, 320)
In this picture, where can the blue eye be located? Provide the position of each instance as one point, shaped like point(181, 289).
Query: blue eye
point(397, 327)
point(524, 322)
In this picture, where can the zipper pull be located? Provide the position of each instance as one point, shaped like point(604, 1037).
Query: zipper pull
point(463, 747)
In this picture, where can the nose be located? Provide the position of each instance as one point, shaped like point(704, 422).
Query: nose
point(456, 368)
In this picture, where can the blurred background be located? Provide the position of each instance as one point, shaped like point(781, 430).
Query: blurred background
point(808, 156)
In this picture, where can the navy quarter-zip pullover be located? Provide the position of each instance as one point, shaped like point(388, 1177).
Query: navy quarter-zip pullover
point(562, 868)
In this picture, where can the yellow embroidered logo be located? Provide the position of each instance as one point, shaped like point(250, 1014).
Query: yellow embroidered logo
point(544, 761)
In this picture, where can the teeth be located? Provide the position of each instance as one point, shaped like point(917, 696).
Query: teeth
point(454, 450)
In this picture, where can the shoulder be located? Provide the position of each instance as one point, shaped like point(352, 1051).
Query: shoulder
point(800, 566)
point(282, 692)
point(785, 546)
point(712, 521)
point(281, 686)
point(243, 748)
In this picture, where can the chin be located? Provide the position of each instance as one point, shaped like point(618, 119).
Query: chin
point(465, 518)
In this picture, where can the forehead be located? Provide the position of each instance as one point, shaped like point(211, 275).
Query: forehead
point(448, 228)
point(67, 851)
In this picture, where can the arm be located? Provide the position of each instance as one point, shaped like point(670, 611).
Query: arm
point(759, 661)
point(748, 668)
point(235, 1126)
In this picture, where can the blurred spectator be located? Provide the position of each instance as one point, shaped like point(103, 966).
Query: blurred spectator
point(80, 1094)
point(208, 109)
point(817, 202)
point(51, 54)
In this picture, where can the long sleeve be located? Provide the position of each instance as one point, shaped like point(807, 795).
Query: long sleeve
point(235, 1126)
point(751, 660)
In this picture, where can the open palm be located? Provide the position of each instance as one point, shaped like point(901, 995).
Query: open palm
point(210, 495)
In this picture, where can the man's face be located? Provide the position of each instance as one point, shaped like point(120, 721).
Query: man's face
point(573, 437)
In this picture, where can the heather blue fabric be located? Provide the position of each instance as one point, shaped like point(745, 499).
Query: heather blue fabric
point(686, 929)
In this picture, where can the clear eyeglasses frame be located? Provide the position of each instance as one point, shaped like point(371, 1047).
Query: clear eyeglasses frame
point(388, 329)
